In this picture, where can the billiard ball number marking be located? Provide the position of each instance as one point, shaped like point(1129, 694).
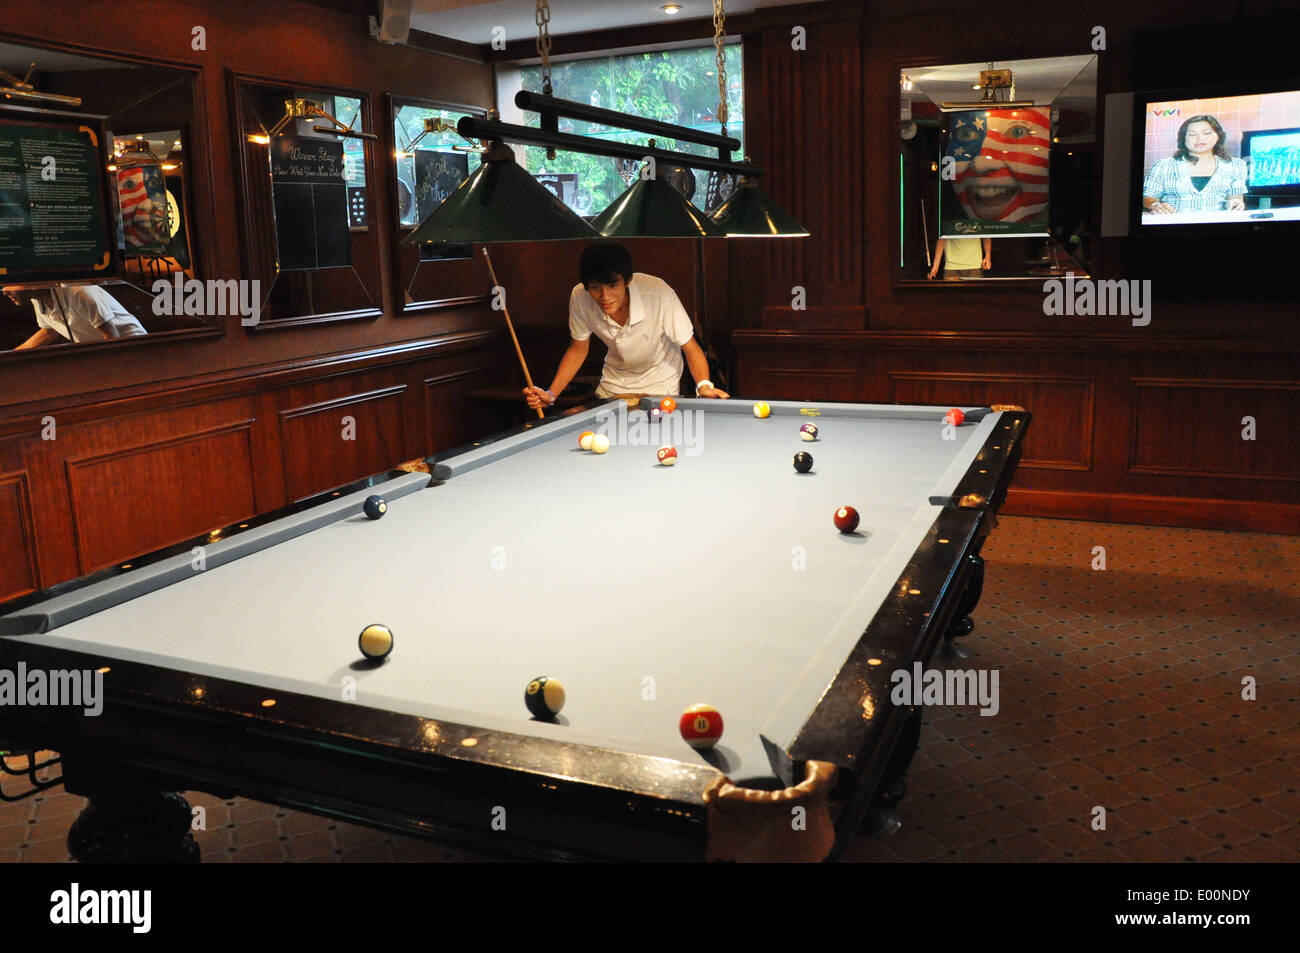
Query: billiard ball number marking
point(701, 726)
point(544, 697)
point(846, 519)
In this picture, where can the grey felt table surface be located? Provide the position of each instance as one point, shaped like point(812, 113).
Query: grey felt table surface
point(643, 588)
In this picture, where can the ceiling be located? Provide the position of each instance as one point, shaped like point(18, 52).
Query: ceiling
point(1042, 80)
point(471, 21)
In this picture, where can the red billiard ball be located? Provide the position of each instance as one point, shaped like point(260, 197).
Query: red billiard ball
point(701, 726)
point(667, 405)
point(954, 417)
point(846, 519)
point(667, 456)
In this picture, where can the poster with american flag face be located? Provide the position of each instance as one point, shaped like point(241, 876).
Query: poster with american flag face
point(995, 172)
point(142, 197)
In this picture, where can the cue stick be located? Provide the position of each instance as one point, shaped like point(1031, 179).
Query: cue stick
point(925, 231)
point(510, 324)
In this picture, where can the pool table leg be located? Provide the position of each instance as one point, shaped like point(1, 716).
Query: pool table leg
point(128, 818)
point(880, 820)
point(963, 624)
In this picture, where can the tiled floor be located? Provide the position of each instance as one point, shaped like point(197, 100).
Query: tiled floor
point(1120, 698)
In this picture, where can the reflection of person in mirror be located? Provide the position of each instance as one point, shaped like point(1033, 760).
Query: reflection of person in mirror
point(962, 257)
point(1000, 160)
point(76, 313)
point(1199, 177)
point(641, 321)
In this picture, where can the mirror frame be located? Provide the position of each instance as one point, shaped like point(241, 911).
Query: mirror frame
point(201, 185)
point(399, 231)
point(1029, 284)
point(249, 229)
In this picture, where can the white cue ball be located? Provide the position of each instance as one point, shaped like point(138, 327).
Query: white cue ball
point(599, 443)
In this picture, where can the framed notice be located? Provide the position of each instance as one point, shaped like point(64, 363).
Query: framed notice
point(55, 220)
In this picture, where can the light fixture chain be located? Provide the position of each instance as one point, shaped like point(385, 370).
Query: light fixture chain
point(719, 32)
point(543, 18)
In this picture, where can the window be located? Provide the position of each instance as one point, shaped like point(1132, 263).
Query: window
point(673, 86)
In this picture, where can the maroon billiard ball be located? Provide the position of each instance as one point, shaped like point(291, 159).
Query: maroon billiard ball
point(846, 519)
point(701, 726)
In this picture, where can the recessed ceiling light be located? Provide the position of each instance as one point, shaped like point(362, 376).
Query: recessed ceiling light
point(671, 8)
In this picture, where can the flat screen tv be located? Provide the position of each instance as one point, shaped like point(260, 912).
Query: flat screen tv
point(1222, 160)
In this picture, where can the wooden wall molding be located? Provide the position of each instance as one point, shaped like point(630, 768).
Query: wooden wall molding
point(314, 453)
point(796, 383)
point(1057, 397)
point(1022, 341)
point(20, 565)
point(1193, 427)
point(24, 419)
point(154, 488)
point(1236, 515)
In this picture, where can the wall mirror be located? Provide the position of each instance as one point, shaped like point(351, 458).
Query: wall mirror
point(305, 184)
point(995, 169)
point(153, 169)
point(430, 163)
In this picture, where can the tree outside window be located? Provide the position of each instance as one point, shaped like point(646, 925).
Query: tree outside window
point(673, 86)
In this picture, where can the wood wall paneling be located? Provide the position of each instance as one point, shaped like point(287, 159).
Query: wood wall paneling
point(19, 565)
point(332, 442)
point(1196, 428)
point(130, 500)
point(454, 422)
point(1064, 404)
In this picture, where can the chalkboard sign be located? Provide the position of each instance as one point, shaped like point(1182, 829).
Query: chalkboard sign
point(437, 175)
point(54, 207)
point(311, 204)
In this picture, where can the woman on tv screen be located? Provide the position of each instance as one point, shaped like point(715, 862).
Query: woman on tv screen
point(1199, 177)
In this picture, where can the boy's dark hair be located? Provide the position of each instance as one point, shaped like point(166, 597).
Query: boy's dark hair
point(603, 261)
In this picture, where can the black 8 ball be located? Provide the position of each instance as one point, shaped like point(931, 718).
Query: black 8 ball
point(803, 461)
point(375, 506)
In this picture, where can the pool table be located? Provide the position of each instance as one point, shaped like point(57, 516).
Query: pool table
point(230, 664)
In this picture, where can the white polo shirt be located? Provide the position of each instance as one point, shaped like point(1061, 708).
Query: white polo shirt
point(645, 355)
point(86, 308)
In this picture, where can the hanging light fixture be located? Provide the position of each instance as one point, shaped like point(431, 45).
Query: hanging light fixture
point(747, 212)
point(500, 202)
point(652, 207)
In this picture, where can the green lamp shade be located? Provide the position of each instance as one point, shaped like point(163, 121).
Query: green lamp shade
point(651, 208)
point(500, 202)
point(748, 213)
